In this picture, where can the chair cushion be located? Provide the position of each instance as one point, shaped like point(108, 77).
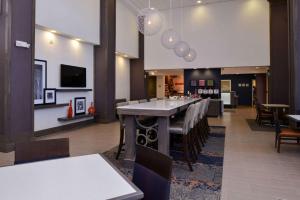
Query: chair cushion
point(289, 133)
point(152, 185)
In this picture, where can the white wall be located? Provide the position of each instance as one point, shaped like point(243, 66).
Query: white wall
point(122, 78)
point(127, 32)
point(228, 34)
point(61, 51)
point(75, 18)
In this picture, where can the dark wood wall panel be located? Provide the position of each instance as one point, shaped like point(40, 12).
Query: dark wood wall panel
point(16, 90)
point(104, 79)
point(138, 89)
point(261, 88)
point(279, 77)
point(294, 33)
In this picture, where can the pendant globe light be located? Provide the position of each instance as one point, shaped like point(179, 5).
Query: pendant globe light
point(191, 56)
point(182, 48)
point(149, 21)
point(170, 37)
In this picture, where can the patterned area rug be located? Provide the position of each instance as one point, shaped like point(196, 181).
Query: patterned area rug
point(204, 183)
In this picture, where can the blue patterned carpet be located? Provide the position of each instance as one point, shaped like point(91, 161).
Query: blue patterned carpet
point(204, 183)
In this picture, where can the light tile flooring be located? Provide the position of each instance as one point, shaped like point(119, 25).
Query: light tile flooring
point(252, 168)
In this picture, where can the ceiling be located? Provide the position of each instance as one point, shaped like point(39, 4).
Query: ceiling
point(165, 4)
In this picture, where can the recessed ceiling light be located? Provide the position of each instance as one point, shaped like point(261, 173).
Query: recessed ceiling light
point(126, 56)
point(77, 39)
point(199, 1)
point(53, 31)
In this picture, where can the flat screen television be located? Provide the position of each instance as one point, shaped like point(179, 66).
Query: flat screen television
point(71, 76)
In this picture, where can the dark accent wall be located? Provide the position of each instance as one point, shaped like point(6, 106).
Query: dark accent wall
point(138, 89)
point(104, 78)
point(17, 22)
point(294, 50)
point(279, 80)
point(261, 88)
point(201, 74)
point(244, 93)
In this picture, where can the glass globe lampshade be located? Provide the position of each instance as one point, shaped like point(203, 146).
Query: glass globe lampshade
point(170, 38)
point(182, 49)
point(191, 56)
point(149, 21)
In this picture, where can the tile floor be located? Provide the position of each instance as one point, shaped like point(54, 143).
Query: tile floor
point(252, 168)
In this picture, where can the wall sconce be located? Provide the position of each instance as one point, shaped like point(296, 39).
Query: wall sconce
point(50, 37)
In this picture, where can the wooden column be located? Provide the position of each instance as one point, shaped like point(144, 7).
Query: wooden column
point(294, 52)
point(138, 88)
point(279, 77)
point(105, 66)
point(17, 22)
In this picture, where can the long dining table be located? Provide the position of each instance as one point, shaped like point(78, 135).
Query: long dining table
point(162, 110)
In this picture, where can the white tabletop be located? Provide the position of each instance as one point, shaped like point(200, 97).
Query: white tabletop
point(276, 105)
point(159, 105)
point(295, 117)
point(155, 108)
point(86, 177)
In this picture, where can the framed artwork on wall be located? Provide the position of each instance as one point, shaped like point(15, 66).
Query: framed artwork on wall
point(202, 83)
point(210, 83)
point(40, 81)
point(194, 83)
point(80, 106)
point(50, 96)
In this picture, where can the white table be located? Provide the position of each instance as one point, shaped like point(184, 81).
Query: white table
point(77, 178)
point(294, 121)
point(161, 109)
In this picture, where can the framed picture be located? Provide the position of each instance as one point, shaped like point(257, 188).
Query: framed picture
point(210, 83)
point(202, 83)
point(50, 96)
point(40, 81)
point(194, 83)
point(80, 105)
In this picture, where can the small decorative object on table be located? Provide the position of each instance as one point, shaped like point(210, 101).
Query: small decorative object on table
point(50, 96)
point(80, 106)
point(92, 109)
point(70, 110)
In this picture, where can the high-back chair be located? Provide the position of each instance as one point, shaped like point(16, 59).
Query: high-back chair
point(133, 102)
point(284, 134)
point(122, 129)
point(185, 130)
point(152, 173)
point(153, 99)
point(143, 101)
point(33, 151)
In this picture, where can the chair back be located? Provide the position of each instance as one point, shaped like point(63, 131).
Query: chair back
point(201, 110)
point(32, 151)
point(189, 114)
point(196, 113)
point(143, 101)
point(152, 173)
point(133, 102)
point(119, 115)
point(153, 99)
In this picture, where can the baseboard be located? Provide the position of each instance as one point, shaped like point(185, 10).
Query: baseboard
point(67, 127)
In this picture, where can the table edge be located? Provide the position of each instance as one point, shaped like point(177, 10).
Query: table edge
point(133, 196)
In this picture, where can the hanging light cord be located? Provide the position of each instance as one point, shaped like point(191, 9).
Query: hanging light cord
point(171, 13)
point(149, 3)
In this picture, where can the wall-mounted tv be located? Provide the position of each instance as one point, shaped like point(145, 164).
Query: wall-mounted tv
point(72, 76)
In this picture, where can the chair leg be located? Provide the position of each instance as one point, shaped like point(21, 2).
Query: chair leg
point(279, 144)
point(122, 133)
point(186, 152)
point(276, 140)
